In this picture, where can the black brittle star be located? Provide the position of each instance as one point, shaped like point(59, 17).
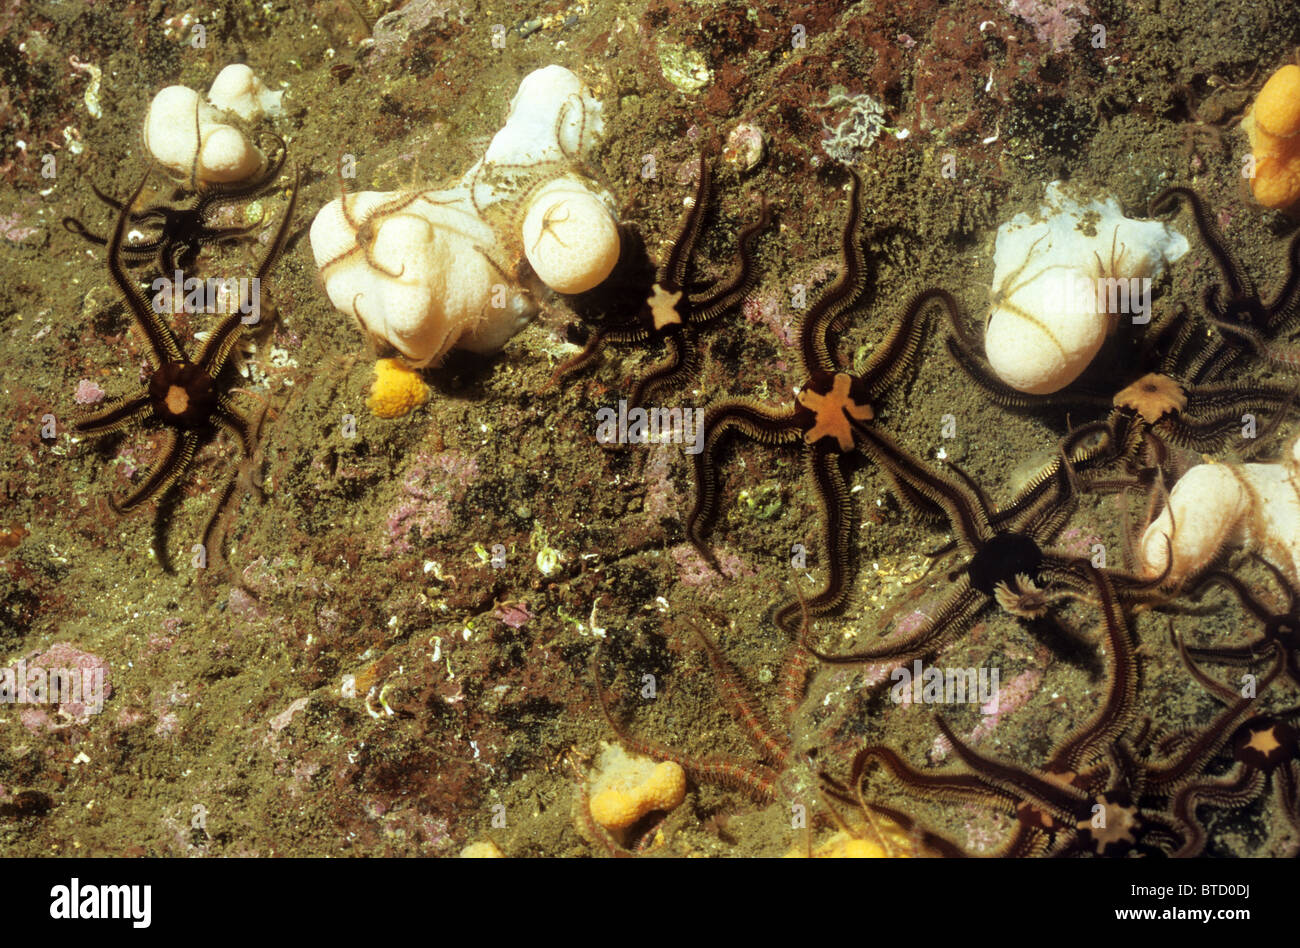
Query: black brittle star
point(188, 399)
point(1264, 751)
point(1185, 403)
point(1260, 744)
point(1245, 322)
point(1096, 794)
point(1056, 799)
point(1281, 628)
point(183, 227)
point(823, 423)
point(1180, 398)
point(668, 306)
point(1178, 390)
point(1006, 559)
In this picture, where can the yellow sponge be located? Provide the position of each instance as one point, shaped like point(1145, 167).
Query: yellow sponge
point(396, 391)
point(844, 846)
point(628, 787)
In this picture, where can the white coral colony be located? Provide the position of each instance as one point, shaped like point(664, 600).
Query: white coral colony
point(1060, 280)
point(1214, 506)
point(201, 141)
point(238, 90)
point(418, 272)
point(428, 271)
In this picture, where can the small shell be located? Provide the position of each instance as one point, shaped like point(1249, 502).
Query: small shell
point(744, 148)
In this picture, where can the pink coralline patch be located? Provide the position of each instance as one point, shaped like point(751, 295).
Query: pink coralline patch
point(37, 720)
point(1050, 19)
point(406, 822)
point(433, 483)
point(245, 605)
point(168, 724)
point(301, 775)
point(159, 643)
point(769, 310)
point(88, 393)
point(11, 229)
point(512, 615)
point(776, 311)
point(662, 499)
point(88, 684)
point(282, 720)
point(695, 572)
point(126, 464)
point(688, 171)
point(877, 672)
point(328, 620)
point(394, 29)
point(129, 717)
point(986, 829)
point(1078, 542)
point(911, 622)
point(1007, 699)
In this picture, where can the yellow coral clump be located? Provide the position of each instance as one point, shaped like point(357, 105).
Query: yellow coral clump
point(397, 390)
point(628, 787)
point(1273, 125)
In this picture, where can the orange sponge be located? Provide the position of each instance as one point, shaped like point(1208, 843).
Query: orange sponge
point(1274, 129)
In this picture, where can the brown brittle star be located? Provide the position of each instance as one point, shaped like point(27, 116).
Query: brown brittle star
point(1056, 798)
point(828, 411)
point(188, 399)
point(1264, 752)
point(1282, 628)
point(1187, 368)
point(670, 307)
point(1259, 745)
point(1245, 322)
point(184, 228)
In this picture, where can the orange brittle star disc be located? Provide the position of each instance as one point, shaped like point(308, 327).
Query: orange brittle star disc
point(1153, 396)
point(663, 307)
point(831, 410)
